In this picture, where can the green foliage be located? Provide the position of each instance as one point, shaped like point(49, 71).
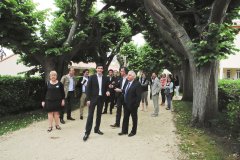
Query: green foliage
point(215, 44)
point(197, 143)
point(147, 58)
point(229, 96)
point(19, 94)
point(19, 23)
point(234, 113)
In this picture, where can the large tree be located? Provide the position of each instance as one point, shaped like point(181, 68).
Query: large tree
point(77, 33)
point(195, 29)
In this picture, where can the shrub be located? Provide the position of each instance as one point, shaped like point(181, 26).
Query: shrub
point(229, 98)
point(228, 91)
point(19, 94)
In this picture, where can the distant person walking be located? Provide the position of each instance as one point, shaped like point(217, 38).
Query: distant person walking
point(53, 100)
point(69, 82)
point(163, 82)
point(155, 89)
point(144, 97)
point(168, 92)
point(176, 82)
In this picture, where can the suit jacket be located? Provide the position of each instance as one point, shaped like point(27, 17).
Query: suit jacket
point(155, 87)
point(65, 81)
point(144, 84)
point(79, 86)
point(112, 81)
point(119, 85)
point(133, 95)
point(93, 88)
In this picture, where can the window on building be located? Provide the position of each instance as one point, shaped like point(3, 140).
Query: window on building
point(228, 73)
point(238, 74)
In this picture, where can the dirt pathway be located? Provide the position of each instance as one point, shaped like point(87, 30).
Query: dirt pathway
point(155, 140)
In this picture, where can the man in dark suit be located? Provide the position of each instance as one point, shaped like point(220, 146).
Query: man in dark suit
point(97, 90)
point(111, 85)
point(117, 78)
point(120, 86)
point(132, 98)
point(82, 88)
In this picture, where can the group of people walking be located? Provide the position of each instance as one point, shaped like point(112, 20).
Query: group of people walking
point(126, 92)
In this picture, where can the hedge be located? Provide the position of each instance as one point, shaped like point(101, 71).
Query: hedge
point(229, 99)
point(19, 94)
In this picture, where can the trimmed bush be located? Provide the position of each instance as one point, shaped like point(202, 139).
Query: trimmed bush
point(19, 94)
point(229, 99)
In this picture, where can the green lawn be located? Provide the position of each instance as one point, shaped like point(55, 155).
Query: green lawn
point(15, 122)
point(196, 143)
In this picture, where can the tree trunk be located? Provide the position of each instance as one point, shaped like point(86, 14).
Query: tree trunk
point(187, 82)
point(212, 98)
point(205, 94)
point(49, 65)
point(61, 67)
point(204, 77)
point(181, 76)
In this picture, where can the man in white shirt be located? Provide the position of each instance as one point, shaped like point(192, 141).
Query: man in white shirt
point(120, 87)
point(69, 82)
point(82, 85)
point(97, 90)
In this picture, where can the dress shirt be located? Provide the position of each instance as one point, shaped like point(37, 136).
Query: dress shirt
point(99, 77)
point(85, 84)
point(70, 87)
point(123, 82)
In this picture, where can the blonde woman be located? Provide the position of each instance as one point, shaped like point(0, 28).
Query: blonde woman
point(53, 100)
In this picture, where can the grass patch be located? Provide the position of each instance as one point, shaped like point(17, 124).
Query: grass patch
point(12, 123)
point(197, 143)
point(15, 122)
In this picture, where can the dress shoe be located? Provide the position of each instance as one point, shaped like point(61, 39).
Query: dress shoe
point(62, 121)
point(121, 134)
point(81, 117)
point(72, 119)
point(104, 112)
point(85, 137)
point(115, 125)
point(98, 132)
point(131, 134)
point(110, 112)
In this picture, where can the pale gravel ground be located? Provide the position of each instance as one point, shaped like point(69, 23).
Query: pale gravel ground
point(155, 140)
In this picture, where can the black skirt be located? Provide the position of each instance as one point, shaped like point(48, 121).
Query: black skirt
point(53, 105)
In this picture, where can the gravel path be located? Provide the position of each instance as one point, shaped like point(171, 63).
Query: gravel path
point(155, 140)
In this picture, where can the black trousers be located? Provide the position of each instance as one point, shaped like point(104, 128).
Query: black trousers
point(120, 102)
point(134, 116)
point(163, 95)
point(68, 105)
point(99, 103)
point(111, 100)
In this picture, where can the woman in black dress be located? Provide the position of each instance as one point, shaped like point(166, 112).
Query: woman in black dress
point(53, 99)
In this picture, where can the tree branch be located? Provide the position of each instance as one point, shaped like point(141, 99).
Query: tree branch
point(75, 23)
point(165, 18)
point(218, 12)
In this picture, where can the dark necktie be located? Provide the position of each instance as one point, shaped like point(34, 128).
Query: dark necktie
point(126, 91)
